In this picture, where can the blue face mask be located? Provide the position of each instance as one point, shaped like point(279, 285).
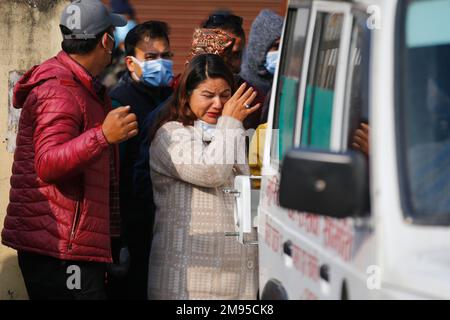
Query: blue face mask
point(271, 61)
point(156, 73)
point(121, 32)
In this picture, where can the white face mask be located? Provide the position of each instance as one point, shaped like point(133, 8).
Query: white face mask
point(271, 61)
point(206, 128)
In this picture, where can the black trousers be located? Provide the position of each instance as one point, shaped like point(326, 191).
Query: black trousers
point(47, 278)
point(132, 286)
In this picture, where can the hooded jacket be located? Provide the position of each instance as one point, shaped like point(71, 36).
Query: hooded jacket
point(266, 28)
point(59, 197)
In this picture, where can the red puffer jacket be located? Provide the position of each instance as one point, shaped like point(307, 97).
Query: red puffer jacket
point(59, 198)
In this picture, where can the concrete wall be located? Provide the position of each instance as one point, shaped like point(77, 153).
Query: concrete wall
point(29, 35)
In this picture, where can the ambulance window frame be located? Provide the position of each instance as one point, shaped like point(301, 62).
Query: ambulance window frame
point(409, 214)
point(312, 75)
point(341, 71)
point(358, 14)
point(307, 4)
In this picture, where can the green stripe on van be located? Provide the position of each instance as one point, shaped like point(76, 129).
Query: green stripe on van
point(316, 128)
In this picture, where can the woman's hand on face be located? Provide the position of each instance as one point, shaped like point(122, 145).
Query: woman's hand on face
point(236, 106)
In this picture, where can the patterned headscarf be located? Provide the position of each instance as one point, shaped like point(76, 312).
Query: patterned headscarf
point(213, 41)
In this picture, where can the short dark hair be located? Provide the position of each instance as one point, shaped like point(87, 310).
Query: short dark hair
point(81, 46)
point(226, 21)
point(152, 29)
point(177, 108)
point(122, 7)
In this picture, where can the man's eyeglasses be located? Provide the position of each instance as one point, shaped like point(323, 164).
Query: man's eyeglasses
point(220, 19)
point(156, 55)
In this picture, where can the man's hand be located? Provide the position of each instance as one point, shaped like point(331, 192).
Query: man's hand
point(361, 139)
point(120, 268)
point(120, 125)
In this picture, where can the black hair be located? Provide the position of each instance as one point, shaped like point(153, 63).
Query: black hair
point(81, 46)
point(152, 29)
point(122, 7)
point(226, 21)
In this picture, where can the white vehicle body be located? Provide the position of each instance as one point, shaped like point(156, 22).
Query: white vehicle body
point(385, 254)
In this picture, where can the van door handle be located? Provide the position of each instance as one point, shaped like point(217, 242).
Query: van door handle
point(325, 272)
point(287, 248)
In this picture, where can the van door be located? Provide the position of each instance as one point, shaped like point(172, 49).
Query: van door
point(318, 253)
point(334, 108)
point(275, 267)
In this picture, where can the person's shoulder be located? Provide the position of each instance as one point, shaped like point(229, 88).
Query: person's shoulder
point(173, 129)
point(58, 88)
point(121, 87)
point(56, 70)
point(262, 126)
point(173, 125)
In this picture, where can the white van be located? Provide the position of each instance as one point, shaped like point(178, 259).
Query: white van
point(332, 222)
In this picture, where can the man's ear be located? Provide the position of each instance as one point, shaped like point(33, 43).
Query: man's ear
point(104, 41)
point(131, 66)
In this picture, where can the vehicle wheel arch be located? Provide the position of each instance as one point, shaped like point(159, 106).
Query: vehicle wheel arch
point(344, 290)
point(274, 290)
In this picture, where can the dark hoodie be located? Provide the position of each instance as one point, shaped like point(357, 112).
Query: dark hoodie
point(266, 28)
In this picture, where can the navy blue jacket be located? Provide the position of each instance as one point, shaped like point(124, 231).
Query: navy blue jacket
point(136, 200)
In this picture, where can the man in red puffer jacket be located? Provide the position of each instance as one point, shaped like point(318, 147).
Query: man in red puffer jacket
point(64, 175)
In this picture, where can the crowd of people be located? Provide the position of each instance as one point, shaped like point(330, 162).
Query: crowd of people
point(121, 165)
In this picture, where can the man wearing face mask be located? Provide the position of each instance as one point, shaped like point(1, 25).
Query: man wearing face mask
point(144, 86)
point(64, 190)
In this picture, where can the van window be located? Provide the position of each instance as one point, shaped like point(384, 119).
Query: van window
point(423, 68)
point(318, 107)
point(288, 82)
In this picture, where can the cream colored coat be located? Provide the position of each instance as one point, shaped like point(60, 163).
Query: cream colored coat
point(191, 258)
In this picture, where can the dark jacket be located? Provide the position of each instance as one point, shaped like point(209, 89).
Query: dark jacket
point(59, 198)
point(142, 183)
point(136, 209)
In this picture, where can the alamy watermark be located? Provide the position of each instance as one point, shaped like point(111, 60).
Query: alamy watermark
point(74, 279)
point(374, 20)
point(74, 20)
point(226, 146)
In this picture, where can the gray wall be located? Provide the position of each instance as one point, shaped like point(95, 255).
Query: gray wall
point(29, 35)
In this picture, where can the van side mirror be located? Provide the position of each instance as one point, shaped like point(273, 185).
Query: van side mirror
point(325, 183)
